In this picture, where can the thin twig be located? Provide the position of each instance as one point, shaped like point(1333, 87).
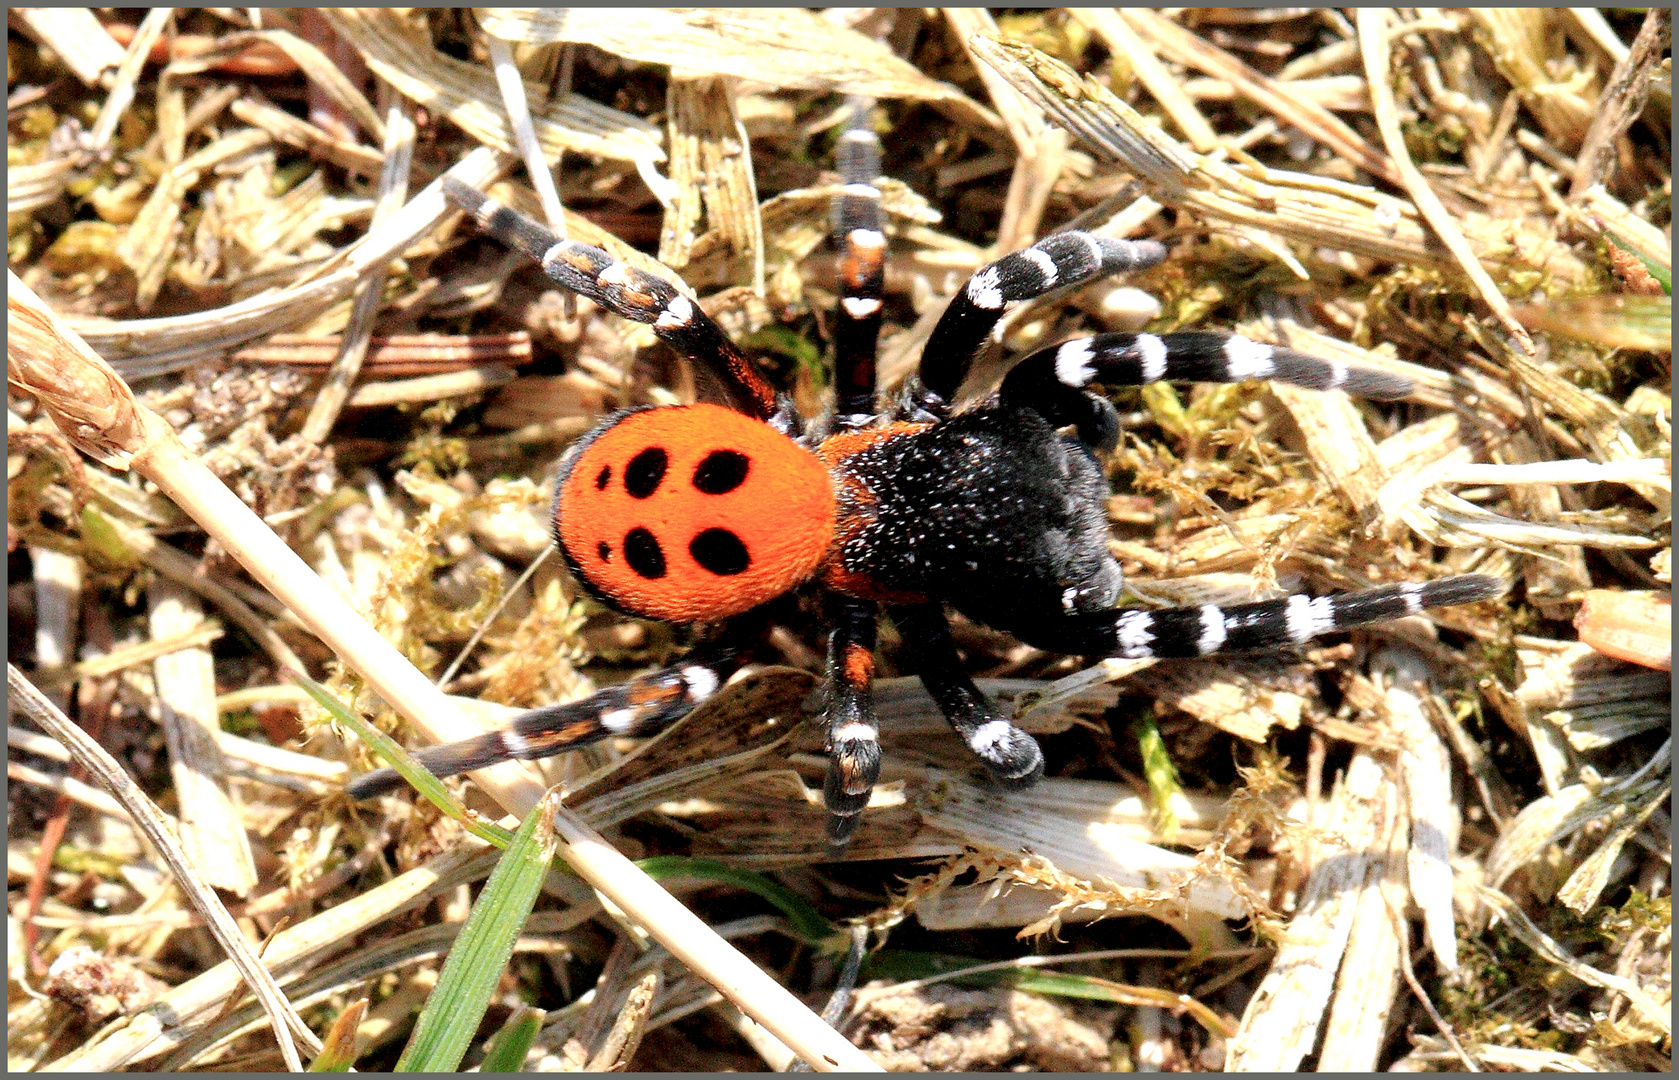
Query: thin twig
point(393, 192)
point(150, 820)
point(1377, 50)
point(484, 624)
point(1623, 99)
point(512, 87)
point(1403, 934)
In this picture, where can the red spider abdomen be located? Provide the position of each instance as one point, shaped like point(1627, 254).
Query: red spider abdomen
point(693, 513)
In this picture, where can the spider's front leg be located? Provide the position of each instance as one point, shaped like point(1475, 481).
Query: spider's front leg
point(624, 290)
point(1055, 262)
point(1013, 756)
point(643, 706)
point(853, 735)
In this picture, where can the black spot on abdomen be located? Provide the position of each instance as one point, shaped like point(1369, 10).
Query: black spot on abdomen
point(604, 551)
point(720, 551)
point(643, 553)
point(721, 472)
point(645, 472)
point(603, 478)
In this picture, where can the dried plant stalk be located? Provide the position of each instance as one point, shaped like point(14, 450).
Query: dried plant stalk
point(467, 95)
point(1373, 39)
point(153, 346)
point(76, 36)
point(212, 831)
point(711, 170)
point(47, 359)
point(1281, 1023)
point(785, 48)
point(1304, 208)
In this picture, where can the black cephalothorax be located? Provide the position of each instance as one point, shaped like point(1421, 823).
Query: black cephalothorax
point(707, 512)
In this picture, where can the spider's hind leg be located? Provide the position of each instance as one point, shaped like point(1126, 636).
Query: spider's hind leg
point(853, 734)
point(1053, 381)
point(1269, 624)
point(1013, 756)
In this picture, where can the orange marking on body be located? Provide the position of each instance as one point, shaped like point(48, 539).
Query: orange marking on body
point(649, 695)
point(861, 264)
point(576, 731)
point(836, 448)
point(859, 665)
point(855, 511)
point(717, 554)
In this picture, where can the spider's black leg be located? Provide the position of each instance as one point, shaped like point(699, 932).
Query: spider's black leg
point(1012, 755)
point(1055, 261)
point(862, 272)
point(1269, 624)
point(853, 736)
point(620, 288)
point(1052, 381)
point(644, 705)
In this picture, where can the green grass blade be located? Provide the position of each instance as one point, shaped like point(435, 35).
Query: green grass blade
point(509, 1046)
point(807, 923)
point(457, 1004)
point(1158, 769)
point(404, 762)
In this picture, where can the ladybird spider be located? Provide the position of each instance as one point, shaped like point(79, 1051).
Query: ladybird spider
point(698, 513)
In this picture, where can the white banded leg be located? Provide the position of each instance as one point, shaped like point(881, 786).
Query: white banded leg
point(1056, 261)
point(1268, 624)
point(853, 736)
point(1011, 755)
point(624, 290)
point(642, 706)
point(1053, 381)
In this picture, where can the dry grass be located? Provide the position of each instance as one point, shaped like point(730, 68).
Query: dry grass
point(324, 423)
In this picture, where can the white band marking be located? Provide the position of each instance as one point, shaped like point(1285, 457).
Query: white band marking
point(1045, 265)
point(1095, 246)
point(1136, 634)
point(1153, 353)
point(1246, 359)
point(1307, 618)
point(1213, 630)
point(619, 719)
point(856, 732)
point(866, 238)
point(1072, 363)
point(990, 737)
point(860, 307)
point(679, 312)
point(702, 682)
point(985, 290)
point(616, 274)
